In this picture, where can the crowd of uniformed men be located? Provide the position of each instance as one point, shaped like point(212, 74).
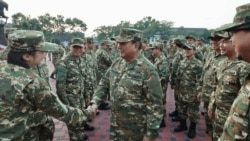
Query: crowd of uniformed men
point(107, 77)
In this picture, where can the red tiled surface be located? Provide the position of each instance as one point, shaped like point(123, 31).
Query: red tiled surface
point(101, 124)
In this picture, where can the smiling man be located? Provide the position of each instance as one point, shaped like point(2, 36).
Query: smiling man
point(237, 124)
point(135, 92)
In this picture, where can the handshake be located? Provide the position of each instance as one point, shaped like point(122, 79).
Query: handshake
point(93, 109)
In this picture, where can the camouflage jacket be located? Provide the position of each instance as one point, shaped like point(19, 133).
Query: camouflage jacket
point(57, 55)
point(230, 76)
point(103, 62)
point(208, 74)
point(136, 98)
point(175, 64)
point(188, 78)
point(237, 125)
point(4, 53)
point(70, 78)
point(22, 93)
point(148, 54)
point(162, 65)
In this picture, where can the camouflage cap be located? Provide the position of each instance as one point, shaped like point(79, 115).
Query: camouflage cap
point(51, 47)
point(28, 40)
point(129, 34)
point(178, 42)
point(77, 42)
point(157, 45)
point(241, 19)
point(188, 46)
point(190, 37)
point(106, 42)
point(214, 36)
point(200, 39)
point(225, 35)
point(89, 40)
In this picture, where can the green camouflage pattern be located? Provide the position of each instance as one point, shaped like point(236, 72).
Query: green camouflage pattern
point(103, 62)
point(230, 76)
point(41, 125)
point(90, 82)
point(22, 93)
point(4, 53)
point(128, 34)
point(237, 124)
point(57, 54)
point(148, 54)
point(136, 99)
point(70, 85)
point(28, 40)
point(188, 78)
point(162, 65)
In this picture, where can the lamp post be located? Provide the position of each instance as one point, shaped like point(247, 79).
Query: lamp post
point(2, 36)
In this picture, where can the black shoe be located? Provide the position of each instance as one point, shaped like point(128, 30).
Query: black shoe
point(52, 76)
point(173, 114)
point(176, 119)
point(88, 127)
point(162, 123)
point(85, 137)
point(202, 113)
point(192, 130)
point(97, 113)
point(104, 107)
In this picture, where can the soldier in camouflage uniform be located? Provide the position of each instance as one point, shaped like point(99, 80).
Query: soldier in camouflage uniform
point(192, 40)
point(162, 65)
point(208, 77)
point(41, 126)
point(201, 48)
point(146, 51)
point(56, 56)
point(103, 59)
point(177, 43)
point(229, 79)
point(114, 52)
point(188, 76)
point(71, 75)
point(237, 125)
point(24, 93)
point(135, 90)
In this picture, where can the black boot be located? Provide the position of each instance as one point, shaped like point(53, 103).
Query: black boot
point(174, 113)
point(163, 123)
point(176, 119)
point(182, 126)
point(192, 130)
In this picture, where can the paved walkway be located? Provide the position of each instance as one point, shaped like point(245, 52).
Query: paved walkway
point(101, 124)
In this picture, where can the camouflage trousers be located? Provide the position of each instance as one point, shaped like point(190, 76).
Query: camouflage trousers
point(221, 114)
point(76, 131)
point(208, 121)
point(164, 101)
point(43, 132)
point(176, 97)
point(189, 110)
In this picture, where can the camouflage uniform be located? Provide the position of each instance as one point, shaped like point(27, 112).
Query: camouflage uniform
point(103, 60)
point(41, 125)
point(23, 93)
point(71, 75)
point(148, 54)
point(230, 78)
point(208, 83)
point(162, 65)
point(114, 54)
point(174, 65)
point(135, 96)
point(237, 125)
point(90, 81)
